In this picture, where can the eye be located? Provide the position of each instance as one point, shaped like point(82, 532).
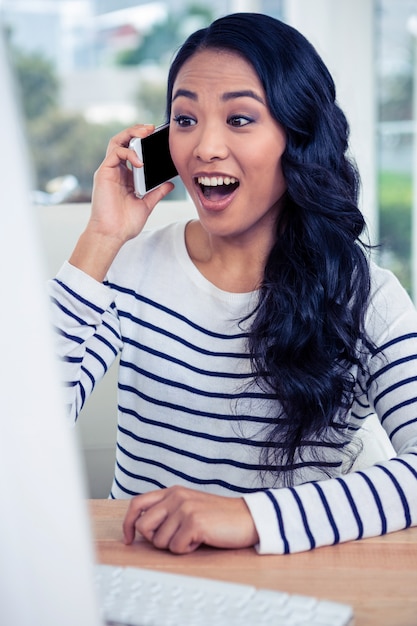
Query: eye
point(184, 121)
point(239, 120)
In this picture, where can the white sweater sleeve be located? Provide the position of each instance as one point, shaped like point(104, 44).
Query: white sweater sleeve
point(87, 332)
point(382, 498)
point(378, 500)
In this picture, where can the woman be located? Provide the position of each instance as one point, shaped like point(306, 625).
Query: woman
point(256, 339)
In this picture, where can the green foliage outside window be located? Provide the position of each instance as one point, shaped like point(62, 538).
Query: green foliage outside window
point(60, 143)
point(395, 202)
point(63, 143)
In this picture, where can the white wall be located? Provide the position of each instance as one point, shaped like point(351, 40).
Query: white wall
point(342, 31)
point(60, 227)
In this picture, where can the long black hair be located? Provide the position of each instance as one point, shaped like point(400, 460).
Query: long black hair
point(307, 327)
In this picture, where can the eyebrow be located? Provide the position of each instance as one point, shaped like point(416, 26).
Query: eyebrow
point(228, 95)
point(245, 93)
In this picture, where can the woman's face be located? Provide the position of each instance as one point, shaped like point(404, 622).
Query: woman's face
point(226, 145)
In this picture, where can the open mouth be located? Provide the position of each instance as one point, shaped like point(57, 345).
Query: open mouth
point(217, 187)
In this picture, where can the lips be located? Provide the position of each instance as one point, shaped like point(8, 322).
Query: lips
point(217, 188)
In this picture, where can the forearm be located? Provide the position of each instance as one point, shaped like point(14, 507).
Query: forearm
point(87, 332)
point(94, 253)
point(378, 500)
point(117, 215)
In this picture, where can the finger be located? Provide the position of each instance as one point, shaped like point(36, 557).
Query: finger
point(189, 531)
point(164, 531)
point(138, 130)
point(151, 521)
point(120, 154)
point(123, 138)
point(134, 511)
point(137, 506)
point(184, 541)
point(115, 166)
point(167, 530)
point(152, 198)
point(179, 530)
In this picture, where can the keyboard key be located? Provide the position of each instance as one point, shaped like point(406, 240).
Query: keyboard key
point(138, 597)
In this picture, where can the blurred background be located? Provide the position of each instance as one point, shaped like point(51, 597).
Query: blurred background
point(88, 68)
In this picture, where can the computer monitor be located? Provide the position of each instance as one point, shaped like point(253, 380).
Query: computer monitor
point(46, 553)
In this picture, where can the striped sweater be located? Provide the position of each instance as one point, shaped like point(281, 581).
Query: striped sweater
point(190, 413)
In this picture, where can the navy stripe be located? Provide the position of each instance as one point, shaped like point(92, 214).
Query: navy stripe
point(404, 425)
point(361, 417)
point(239, 440)
point(72, 359)
point(98, 357)
point(173, 313)
point(396, 407)
point(83, 394)
point(107, 343)
point(304, 518)
point(69, 313)
point(90, 376)
point(353, 507)
point(280, 522)
point(193, 433)
point(406, 508)
point(407, 465)
point(328, 513)
point(391, 365)
point(397, 385)
point(377, 502)
point(220, 461)
point(76, 296)
point(193, 455)
point(192, 479)
point(182, 341)
point(393, 342)
point(128, 491)
point(72, 384)
point(114, 331)
point(365, 404)
point(166, 357)
point(194, 390)
point(73, 338)
point(145, 479)
point(354, 429)
point(185, 409)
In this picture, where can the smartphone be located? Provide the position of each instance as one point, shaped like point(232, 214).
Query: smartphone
point(158, 167)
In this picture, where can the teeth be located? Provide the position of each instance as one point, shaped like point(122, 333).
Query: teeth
point(216, 180)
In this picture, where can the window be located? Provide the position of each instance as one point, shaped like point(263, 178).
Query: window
point(88, 68)
point(395, 41)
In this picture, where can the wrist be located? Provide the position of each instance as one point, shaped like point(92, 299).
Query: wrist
point(95, 252)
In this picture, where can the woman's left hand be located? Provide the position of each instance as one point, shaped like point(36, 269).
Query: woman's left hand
point(181, 519)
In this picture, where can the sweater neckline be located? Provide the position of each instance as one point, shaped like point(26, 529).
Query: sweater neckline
point(197, 277)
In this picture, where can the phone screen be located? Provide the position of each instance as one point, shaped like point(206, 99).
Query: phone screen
point(158, 165)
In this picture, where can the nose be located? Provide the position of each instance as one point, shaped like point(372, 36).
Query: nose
point(210, 144)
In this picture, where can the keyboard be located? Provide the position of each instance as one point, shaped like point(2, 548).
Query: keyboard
point(131, 596)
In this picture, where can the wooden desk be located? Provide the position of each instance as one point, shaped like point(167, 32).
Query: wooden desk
point(377, 576)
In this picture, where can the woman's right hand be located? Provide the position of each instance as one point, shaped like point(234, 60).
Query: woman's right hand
point(117, 215)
